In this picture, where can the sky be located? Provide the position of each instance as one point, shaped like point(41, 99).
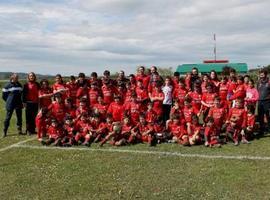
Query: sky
point(69, 37)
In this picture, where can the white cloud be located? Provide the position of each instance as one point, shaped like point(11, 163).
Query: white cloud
point(79, 35)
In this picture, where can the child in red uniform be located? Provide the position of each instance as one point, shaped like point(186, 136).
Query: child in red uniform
point(100, 108)
point(218, 113)
point(117, 109)
point(142, 95)
point(196, 97)
point(108, 92)
point(223, 89)
point(146, 132)
point(83, 108)
point(177, 131)
point(188, 81)
point(194, 133)
point(98, 128)
point(57, 108)
point(188, 110)
point(133, 109)
point(82, 91)
point(157, 97)
point(126, 128)
point(93, 93)
point(70, 108)
point(175, 80)
point(205, 82)
point(247, 134)
point(240, 115)
point(208, 99)
point(45, 94)
point(70, 132)
point(84, 130)
point(42, 122)
point(129, 92)
point(211, 134)
point(60, 87)
point(160, 130)
point(180, 93)
point(109, 129)
point(240, 91)
point(55, 133)
point(72, 88)
point(150, 114)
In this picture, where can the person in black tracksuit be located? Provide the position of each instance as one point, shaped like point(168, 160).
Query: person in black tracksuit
point(264, 100)
point(12, 95)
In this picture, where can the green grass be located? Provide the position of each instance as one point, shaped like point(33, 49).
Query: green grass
point(58, 174)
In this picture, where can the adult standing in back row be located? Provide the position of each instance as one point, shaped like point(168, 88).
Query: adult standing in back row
point(12, 95)
point(264, 100)
point(31, 101)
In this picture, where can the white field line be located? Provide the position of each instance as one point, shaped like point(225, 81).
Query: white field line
point(18, 143)
point(162, 153)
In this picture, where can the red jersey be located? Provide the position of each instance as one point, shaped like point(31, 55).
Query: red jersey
point(134, 109)
point(157, 104)
point(83, 127)
point(144, 128)
point(117, 111)
point(128, 95)
point(55, 132)
point(69, 130)
point(240, 92)
point(208, 98)
point(71, 111)
point(31, 90)
point(195, 128)
point(44, 102)
point(240, 114)
point(159, 128)
point(188, 113)
point(42, 124)
point(82, 92)
point(223, 91)
point(60, 87)
point(72, 90)
point(102, 110)
point(177, 130)
point(180, 94)
point(250, 120)
point(141, 94)
point(93, 95)
point(219, 115)
point(203, 87)
point(126, 129)
point(58, 111)
point(196, 101)
point(108, 93)
point(144, 78)
point(150, 116)
point(81, 110)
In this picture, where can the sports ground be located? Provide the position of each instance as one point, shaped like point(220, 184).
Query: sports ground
point(167, 171)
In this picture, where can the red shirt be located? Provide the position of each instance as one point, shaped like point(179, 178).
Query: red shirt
point(250, 120)
point(219, 115)
point(126, 128)
point(141, 93)
point(180, 94)
point(108, 94)
point(195, 128)
point(177, 130)
point(144, 78)
point(240, 92)
point(240, 114)
point(117, 111)
point(93, 95)
point(58, 111)
point(72, 90)
point(223, 91)
point(150, 116)
point(55, 132)
point(83, 127)
point(196, 101)
point(81, 110)
point(102, 109)
point(57, 87)
point(134, 109)
point(208, 98)
point(157, 104)
point(44, 102)
point(32, 92)
point(188, 113)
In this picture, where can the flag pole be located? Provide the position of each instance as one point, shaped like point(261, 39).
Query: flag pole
point(215, 47)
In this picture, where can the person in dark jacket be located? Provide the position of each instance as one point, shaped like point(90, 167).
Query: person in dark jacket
point(31, 100)
point(264, 100)
point(12, 95)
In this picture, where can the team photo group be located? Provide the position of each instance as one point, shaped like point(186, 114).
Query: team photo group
point(208, 109)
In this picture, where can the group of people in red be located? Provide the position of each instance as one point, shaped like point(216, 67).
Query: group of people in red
point(145, 107)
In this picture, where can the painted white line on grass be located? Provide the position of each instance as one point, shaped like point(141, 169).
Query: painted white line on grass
point(163, 153)
point(16, 144)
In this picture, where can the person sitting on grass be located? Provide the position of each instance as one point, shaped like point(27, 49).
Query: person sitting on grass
point(55, 134)
point(211, 134)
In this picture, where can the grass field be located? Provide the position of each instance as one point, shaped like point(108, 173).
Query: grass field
point(30, 171)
